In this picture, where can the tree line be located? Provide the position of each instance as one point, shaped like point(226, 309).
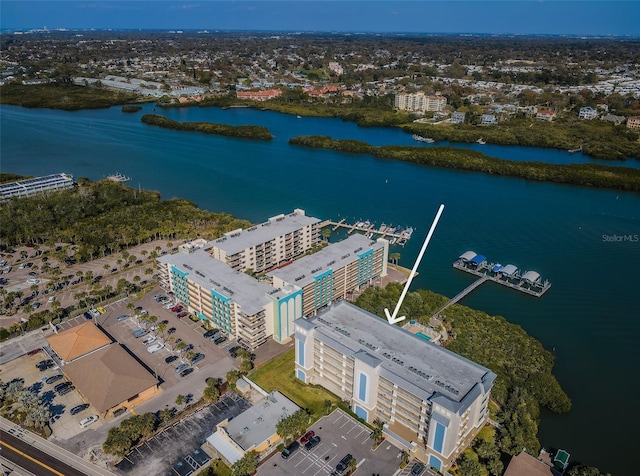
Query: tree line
point(592, 175)
point(246, 132)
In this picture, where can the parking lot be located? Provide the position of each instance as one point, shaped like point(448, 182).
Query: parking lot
point(341, 434)
point(174, 447)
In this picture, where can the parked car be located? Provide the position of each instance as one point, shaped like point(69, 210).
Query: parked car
point(342, 466)
point(149, 340)
point(197, 358)
point(210, 333)
point(171, 358)
point(219, 340)
point(94, 312)
point(417, 469)
point(54, 378)
point(33, 281)
point(177, 308)
point(233, 351)
point(60, 386)
point(51, 299)
point(155, 348)
point(307, 436)
point(181, 367)
point(88, 316)
point(65, 390)
point(79, 408)
point(312, 443)
point(44, 365)
point(289, 450)
point(120, 411)
point(182, 314)
point(122, 317)
point(186, 372)
point(140, 332)
point(171, 330)
point(85, 422)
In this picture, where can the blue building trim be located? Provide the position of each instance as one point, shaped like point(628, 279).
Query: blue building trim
point(221, 306)
point(301, 375)
point(180, 284)
point(300, 353)
point(365, 266)
point(285, 319)
point(362, 387)
point(438, 437)
point(361, 412)
point(435, 463)
point(322, 289)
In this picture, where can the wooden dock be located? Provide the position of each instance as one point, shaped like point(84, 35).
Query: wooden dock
point(484, 274)
point(382, 232)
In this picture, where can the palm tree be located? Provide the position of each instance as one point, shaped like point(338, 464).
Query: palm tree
point(180, 399)
point(326, 233)
point(394, 257)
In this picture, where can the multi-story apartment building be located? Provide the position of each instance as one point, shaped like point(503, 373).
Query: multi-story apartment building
point(335, 272)
point(633, 122)
point(230, 300)
point(267, 245)
point(419, 102)
point(259, 95)
point(432, 401)
point(31, 186)
point(588, 113)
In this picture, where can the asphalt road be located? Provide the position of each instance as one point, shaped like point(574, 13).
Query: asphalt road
point(32, 459)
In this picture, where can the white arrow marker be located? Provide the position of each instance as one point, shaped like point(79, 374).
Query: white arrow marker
point(392, 317)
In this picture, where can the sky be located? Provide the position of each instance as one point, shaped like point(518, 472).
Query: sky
point(525, 17)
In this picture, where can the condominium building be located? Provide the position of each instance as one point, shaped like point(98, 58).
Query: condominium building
point(241, 306)
point(280, 239)
point(588, 113)
point(419, 102)
point(633, 122)
point(259, 95)
point(335, 272)
point(432, 401)
point(31, 186)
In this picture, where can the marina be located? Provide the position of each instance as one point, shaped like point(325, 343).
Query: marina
point(396, 235)
point(418, 138)
point(528, 282)
point(117, 177)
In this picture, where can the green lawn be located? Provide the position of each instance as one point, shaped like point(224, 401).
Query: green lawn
point(279, 375)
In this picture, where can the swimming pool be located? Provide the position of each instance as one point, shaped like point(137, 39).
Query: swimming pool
point(423, 336)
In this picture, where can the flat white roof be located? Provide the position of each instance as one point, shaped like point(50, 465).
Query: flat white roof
point(236, 241)
point(334, 256)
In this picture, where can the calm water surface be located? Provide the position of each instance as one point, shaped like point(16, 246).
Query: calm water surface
point(590, 316)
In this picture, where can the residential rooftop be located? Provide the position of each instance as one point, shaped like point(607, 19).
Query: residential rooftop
point(239, 240)
point(258, 423)
point(425, 369)
point(334, 256)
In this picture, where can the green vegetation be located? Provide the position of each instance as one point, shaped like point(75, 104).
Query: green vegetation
point(246, 132)
point(131, 108)
point(369, 112)
point(599, 139)
point(98, 217)
point(62, 96)
point(293, 425)
point(6, 177)
point(122, 438)
point(246, 465)
point(523, 368)
point(279, 374)
point(216, 468)
point(593, 175)
point(24, 406)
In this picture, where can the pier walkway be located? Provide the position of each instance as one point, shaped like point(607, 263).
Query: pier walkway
point(383, 231)
point(463, 293)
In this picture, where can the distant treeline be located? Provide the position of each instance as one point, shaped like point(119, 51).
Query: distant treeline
point(62, 96)
point(599, 139)
point(592, 175)
point(246, 132)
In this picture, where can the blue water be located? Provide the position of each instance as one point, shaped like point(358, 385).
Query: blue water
point(423, 336)
point(589, 316)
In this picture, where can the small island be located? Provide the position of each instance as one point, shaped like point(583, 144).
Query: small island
point(245, 132)
point(592, 175)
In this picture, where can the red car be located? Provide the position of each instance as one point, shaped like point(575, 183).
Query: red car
point(183, 314)
point(307, 436)
point(177, 308)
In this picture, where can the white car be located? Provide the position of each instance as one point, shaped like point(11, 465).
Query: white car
point(33, 281)
point(149, 340)
point(169, 305)
point(51, 298)
point(154, 348)
point(85, 422)
point(94, 312)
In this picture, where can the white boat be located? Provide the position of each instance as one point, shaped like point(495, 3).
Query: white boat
point(118, 177)
point(418, 138)
point(481, 141)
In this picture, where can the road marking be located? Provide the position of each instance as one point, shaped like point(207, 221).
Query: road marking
point(40, 463)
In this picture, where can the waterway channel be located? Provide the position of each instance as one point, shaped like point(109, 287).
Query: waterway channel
point(585, 241)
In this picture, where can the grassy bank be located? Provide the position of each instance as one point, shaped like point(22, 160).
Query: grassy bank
point(245, 132)
point(62, 96)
